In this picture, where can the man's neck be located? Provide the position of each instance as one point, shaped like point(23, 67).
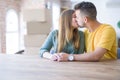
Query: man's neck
point(93, 25)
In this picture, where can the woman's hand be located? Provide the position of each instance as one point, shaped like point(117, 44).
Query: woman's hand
point(55, 57)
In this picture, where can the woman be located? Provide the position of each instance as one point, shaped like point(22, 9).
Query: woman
point(67, 39)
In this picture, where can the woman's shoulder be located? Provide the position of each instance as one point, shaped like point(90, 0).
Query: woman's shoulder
point(81, 32)
point(54, 32)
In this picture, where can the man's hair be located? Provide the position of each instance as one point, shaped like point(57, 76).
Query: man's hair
point(87, 8)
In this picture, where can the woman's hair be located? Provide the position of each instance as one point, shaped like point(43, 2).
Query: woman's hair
point(66, 32)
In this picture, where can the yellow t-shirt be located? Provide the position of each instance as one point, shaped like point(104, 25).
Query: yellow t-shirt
point(105, 37)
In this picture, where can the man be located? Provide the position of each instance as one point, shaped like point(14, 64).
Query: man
point(100, 39)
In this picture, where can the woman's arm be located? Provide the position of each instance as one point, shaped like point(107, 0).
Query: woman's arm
point(47, 45)
point(47, 55)
point(53, 57)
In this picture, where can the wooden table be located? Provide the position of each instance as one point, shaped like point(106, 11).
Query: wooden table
point(31, 67)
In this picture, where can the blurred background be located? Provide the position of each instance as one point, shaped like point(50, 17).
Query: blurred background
point(25, 24)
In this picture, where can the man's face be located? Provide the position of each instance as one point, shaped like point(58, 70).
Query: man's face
point(80, 19)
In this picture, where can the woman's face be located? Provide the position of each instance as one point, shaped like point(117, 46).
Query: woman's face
point(74, 22)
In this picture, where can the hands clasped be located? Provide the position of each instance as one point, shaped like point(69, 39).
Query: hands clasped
point(60, 57)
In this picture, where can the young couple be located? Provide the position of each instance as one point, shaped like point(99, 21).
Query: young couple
point(97, 42)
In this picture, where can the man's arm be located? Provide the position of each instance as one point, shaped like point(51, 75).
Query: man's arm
point(92, 56)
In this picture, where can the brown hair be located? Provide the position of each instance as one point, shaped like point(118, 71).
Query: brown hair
point(66, 31)
point(87, 8)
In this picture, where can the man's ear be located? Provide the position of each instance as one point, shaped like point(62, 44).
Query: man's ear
point(85, 19)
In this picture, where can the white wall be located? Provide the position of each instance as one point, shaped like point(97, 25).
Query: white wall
point(108, 14)
point(55, 12)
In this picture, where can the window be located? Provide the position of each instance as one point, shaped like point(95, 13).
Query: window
point(12, 32)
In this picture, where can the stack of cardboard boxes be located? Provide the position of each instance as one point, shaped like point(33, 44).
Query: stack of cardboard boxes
point(38, 23)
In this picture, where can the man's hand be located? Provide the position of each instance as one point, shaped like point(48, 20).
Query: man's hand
point(63, 57)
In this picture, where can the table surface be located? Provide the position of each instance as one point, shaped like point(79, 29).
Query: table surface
point(32, 67)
